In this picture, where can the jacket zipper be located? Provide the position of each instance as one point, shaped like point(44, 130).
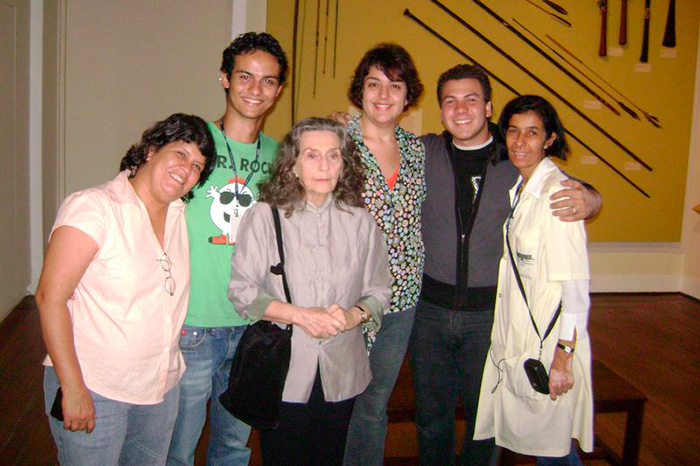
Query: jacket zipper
point(462, 235)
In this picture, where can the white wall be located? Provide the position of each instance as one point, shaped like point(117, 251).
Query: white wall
point(15, 230)
point(112, 69)
point(633, 267)
point(690, 283)
point(35, 148)
point(254, 19)
point(129, 64)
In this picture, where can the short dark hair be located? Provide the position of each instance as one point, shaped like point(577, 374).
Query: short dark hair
point(284, 189)
point(465, 72)
point(252, 42)
point(396, 64)
point(552, 124)
point(177, 127)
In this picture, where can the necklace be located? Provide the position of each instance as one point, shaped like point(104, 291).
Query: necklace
point(254, 166)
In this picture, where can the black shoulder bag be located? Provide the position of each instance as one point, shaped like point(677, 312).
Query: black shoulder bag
point(261, 363)
point(535, 370)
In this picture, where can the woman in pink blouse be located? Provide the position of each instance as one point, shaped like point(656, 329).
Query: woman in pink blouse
point(113, 296)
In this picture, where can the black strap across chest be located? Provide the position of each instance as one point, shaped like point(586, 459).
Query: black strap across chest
point(553, 321)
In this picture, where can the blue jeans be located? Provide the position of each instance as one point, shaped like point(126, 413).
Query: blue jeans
point(448, 351)
point(208, 353)
point(368, 424)
point(124, 434)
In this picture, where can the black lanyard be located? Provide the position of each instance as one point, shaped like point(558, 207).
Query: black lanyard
point(254, 166)
point(519, 280)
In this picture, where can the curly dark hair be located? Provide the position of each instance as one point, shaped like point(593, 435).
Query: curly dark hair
point(284, 189)
point(251, 42)
point(177, 127)
point(552, 124)
point(396, 64)
point(465, 72)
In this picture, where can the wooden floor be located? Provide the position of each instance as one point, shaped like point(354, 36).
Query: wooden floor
point(653, 341)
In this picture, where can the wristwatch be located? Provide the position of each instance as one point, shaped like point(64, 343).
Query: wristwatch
point(364, 315)
point(566, 349)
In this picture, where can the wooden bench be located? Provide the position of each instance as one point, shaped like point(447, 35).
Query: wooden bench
point(612, 394)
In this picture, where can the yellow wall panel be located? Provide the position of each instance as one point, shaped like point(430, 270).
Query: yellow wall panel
point(664, 89)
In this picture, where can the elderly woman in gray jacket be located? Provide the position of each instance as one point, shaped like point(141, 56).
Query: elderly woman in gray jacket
point(338, 273)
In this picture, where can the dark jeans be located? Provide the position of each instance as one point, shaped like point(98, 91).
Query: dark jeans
point(311, 433)
point(368, 424)
point(448, 351)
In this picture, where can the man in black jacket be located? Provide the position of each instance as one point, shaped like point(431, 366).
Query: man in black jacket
point(468, 176)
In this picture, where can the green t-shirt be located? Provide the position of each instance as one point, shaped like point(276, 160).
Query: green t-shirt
point(213, 217)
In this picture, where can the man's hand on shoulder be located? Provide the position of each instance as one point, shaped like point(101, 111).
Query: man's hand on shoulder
point(575, 202)
point(341, 117)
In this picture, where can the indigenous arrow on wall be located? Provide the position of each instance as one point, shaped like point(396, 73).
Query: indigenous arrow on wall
point(622, 105)
point(650, 118)
point(536, 78)
point(436, 34)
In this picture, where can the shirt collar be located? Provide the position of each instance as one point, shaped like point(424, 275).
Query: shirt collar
point(534, 184)
point(121, 190)
point(309, 207)
point(354, 127)
point(355, 130)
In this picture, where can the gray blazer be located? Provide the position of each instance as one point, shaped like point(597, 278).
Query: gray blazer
point(332, 256)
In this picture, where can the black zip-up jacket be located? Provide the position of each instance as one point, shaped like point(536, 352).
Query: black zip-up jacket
point(462, 254)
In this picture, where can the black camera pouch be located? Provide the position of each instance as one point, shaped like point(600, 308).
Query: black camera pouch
point(537, 375)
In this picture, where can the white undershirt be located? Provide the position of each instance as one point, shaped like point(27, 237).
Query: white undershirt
point(477, 147)
point(575, 305)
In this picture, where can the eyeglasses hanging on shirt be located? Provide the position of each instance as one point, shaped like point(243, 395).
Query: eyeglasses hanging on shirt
point(167, 267)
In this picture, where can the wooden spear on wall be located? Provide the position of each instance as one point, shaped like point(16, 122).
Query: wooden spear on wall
point(644, 57)
point(534, 46)
point(294, 58)
point(650, 118)
point(551, 15)
point(622, 105)
point(514, 91)
point(325, 37)
point(318, 25)
point(623, 23)
point(603, 47)
point(537, 79)
point(670, 32)
point(335, 36)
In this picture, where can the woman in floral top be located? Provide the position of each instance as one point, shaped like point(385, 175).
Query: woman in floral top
point(384, 85)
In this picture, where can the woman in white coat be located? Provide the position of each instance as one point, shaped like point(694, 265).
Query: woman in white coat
point(543, 286)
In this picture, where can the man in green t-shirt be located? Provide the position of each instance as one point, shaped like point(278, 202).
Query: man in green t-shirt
point(253, 71)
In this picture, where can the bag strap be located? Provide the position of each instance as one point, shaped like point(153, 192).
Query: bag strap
point(520, 283)
point(279, 268)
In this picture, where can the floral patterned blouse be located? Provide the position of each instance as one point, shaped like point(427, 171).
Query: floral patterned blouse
point(398, 212)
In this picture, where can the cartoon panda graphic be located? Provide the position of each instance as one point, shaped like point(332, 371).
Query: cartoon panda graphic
point(227, 209)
